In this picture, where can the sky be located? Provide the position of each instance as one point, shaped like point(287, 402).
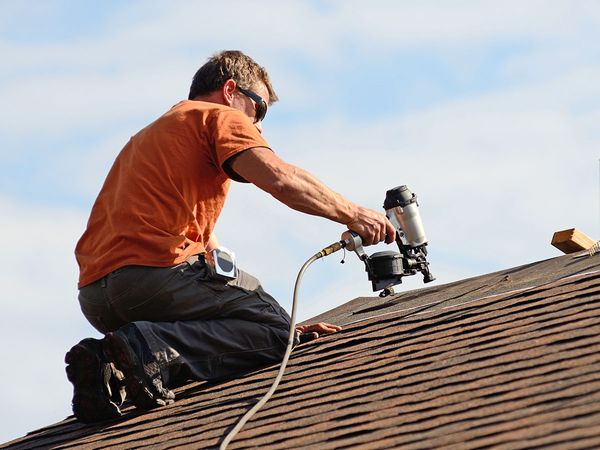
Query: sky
point(487, 110)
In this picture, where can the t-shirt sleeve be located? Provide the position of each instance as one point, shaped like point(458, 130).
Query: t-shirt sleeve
point(232, 133)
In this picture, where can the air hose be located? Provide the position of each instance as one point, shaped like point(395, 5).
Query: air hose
point(290, 344)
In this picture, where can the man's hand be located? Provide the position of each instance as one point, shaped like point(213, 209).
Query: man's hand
point(372, 227)
point(313, 331)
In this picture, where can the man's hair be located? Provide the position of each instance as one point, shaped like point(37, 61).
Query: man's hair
point(230, 64)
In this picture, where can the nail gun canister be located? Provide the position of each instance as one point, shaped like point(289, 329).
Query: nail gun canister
point(402, 209)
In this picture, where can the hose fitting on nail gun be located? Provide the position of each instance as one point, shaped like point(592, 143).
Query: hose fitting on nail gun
point(331, 249)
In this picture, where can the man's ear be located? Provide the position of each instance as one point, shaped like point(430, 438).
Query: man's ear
point(228, 90)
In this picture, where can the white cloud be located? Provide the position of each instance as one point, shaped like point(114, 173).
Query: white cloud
point(446, 22)
point(65, 104)
point(115, 74)
point(39, 313)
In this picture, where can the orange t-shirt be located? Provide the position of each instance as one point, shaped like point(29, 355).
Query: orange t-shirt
point(166, 189)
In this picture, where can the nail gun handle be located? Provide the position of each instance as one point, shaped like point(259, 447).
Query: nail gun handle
point(354, 242)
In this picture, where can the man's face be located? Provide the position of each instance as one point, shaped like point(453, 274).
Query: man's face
point(248, 106)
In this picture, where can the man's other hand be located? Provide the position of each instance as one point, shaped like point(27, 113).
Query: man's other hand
point(314, 331)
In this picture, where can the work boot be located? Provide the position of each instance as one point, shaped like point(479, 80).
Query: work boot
point(130, 353)
point(92, 377)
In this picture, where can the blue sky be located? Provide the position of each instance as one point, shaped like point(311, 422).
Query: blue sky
point(488, 110)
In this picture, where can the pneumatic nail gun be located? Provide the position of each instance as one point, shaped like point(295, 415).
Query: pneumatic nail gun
point(386, 269)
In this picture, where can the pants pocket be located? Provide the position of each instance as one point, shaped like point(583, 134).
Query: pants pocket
point(140, 293)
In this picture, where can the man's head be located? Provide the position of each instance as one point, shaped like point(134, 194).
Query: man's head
point(231, 65)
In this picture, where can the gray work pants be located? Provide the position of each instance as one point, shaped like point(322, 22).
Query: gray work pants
point(196, 326)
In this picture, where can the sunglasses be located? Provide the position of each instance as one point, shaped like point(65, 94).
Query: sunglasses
point(260, 106)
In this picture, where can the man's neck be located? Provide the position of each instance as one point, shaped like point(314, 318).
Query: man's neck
point(213, 97)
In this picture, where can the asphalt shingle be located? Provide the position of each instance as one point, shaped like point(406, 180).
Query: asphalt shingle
point(505, 360)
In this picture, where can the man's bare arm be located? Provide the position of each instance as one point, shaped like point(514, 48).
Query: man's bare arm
point(301, 191)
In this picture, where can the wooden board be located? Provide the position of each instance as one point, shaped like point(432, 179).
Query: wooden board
point(571, 241)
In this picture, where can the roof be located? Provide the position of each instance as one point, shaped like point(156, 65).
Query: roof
point(505, 360)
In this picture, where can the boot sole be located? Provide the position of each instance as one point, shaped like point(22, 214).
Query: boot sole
point(90, 403)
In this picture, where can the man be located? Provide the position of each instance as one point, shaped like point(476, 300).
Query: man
point(146, 279)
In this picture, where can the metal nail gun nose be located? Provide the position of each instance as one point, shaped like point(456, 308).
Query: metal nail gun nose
point(386, 269)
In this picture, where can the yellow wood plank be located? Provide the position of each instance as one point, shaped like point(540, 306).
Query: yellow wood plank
point(571, 241)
